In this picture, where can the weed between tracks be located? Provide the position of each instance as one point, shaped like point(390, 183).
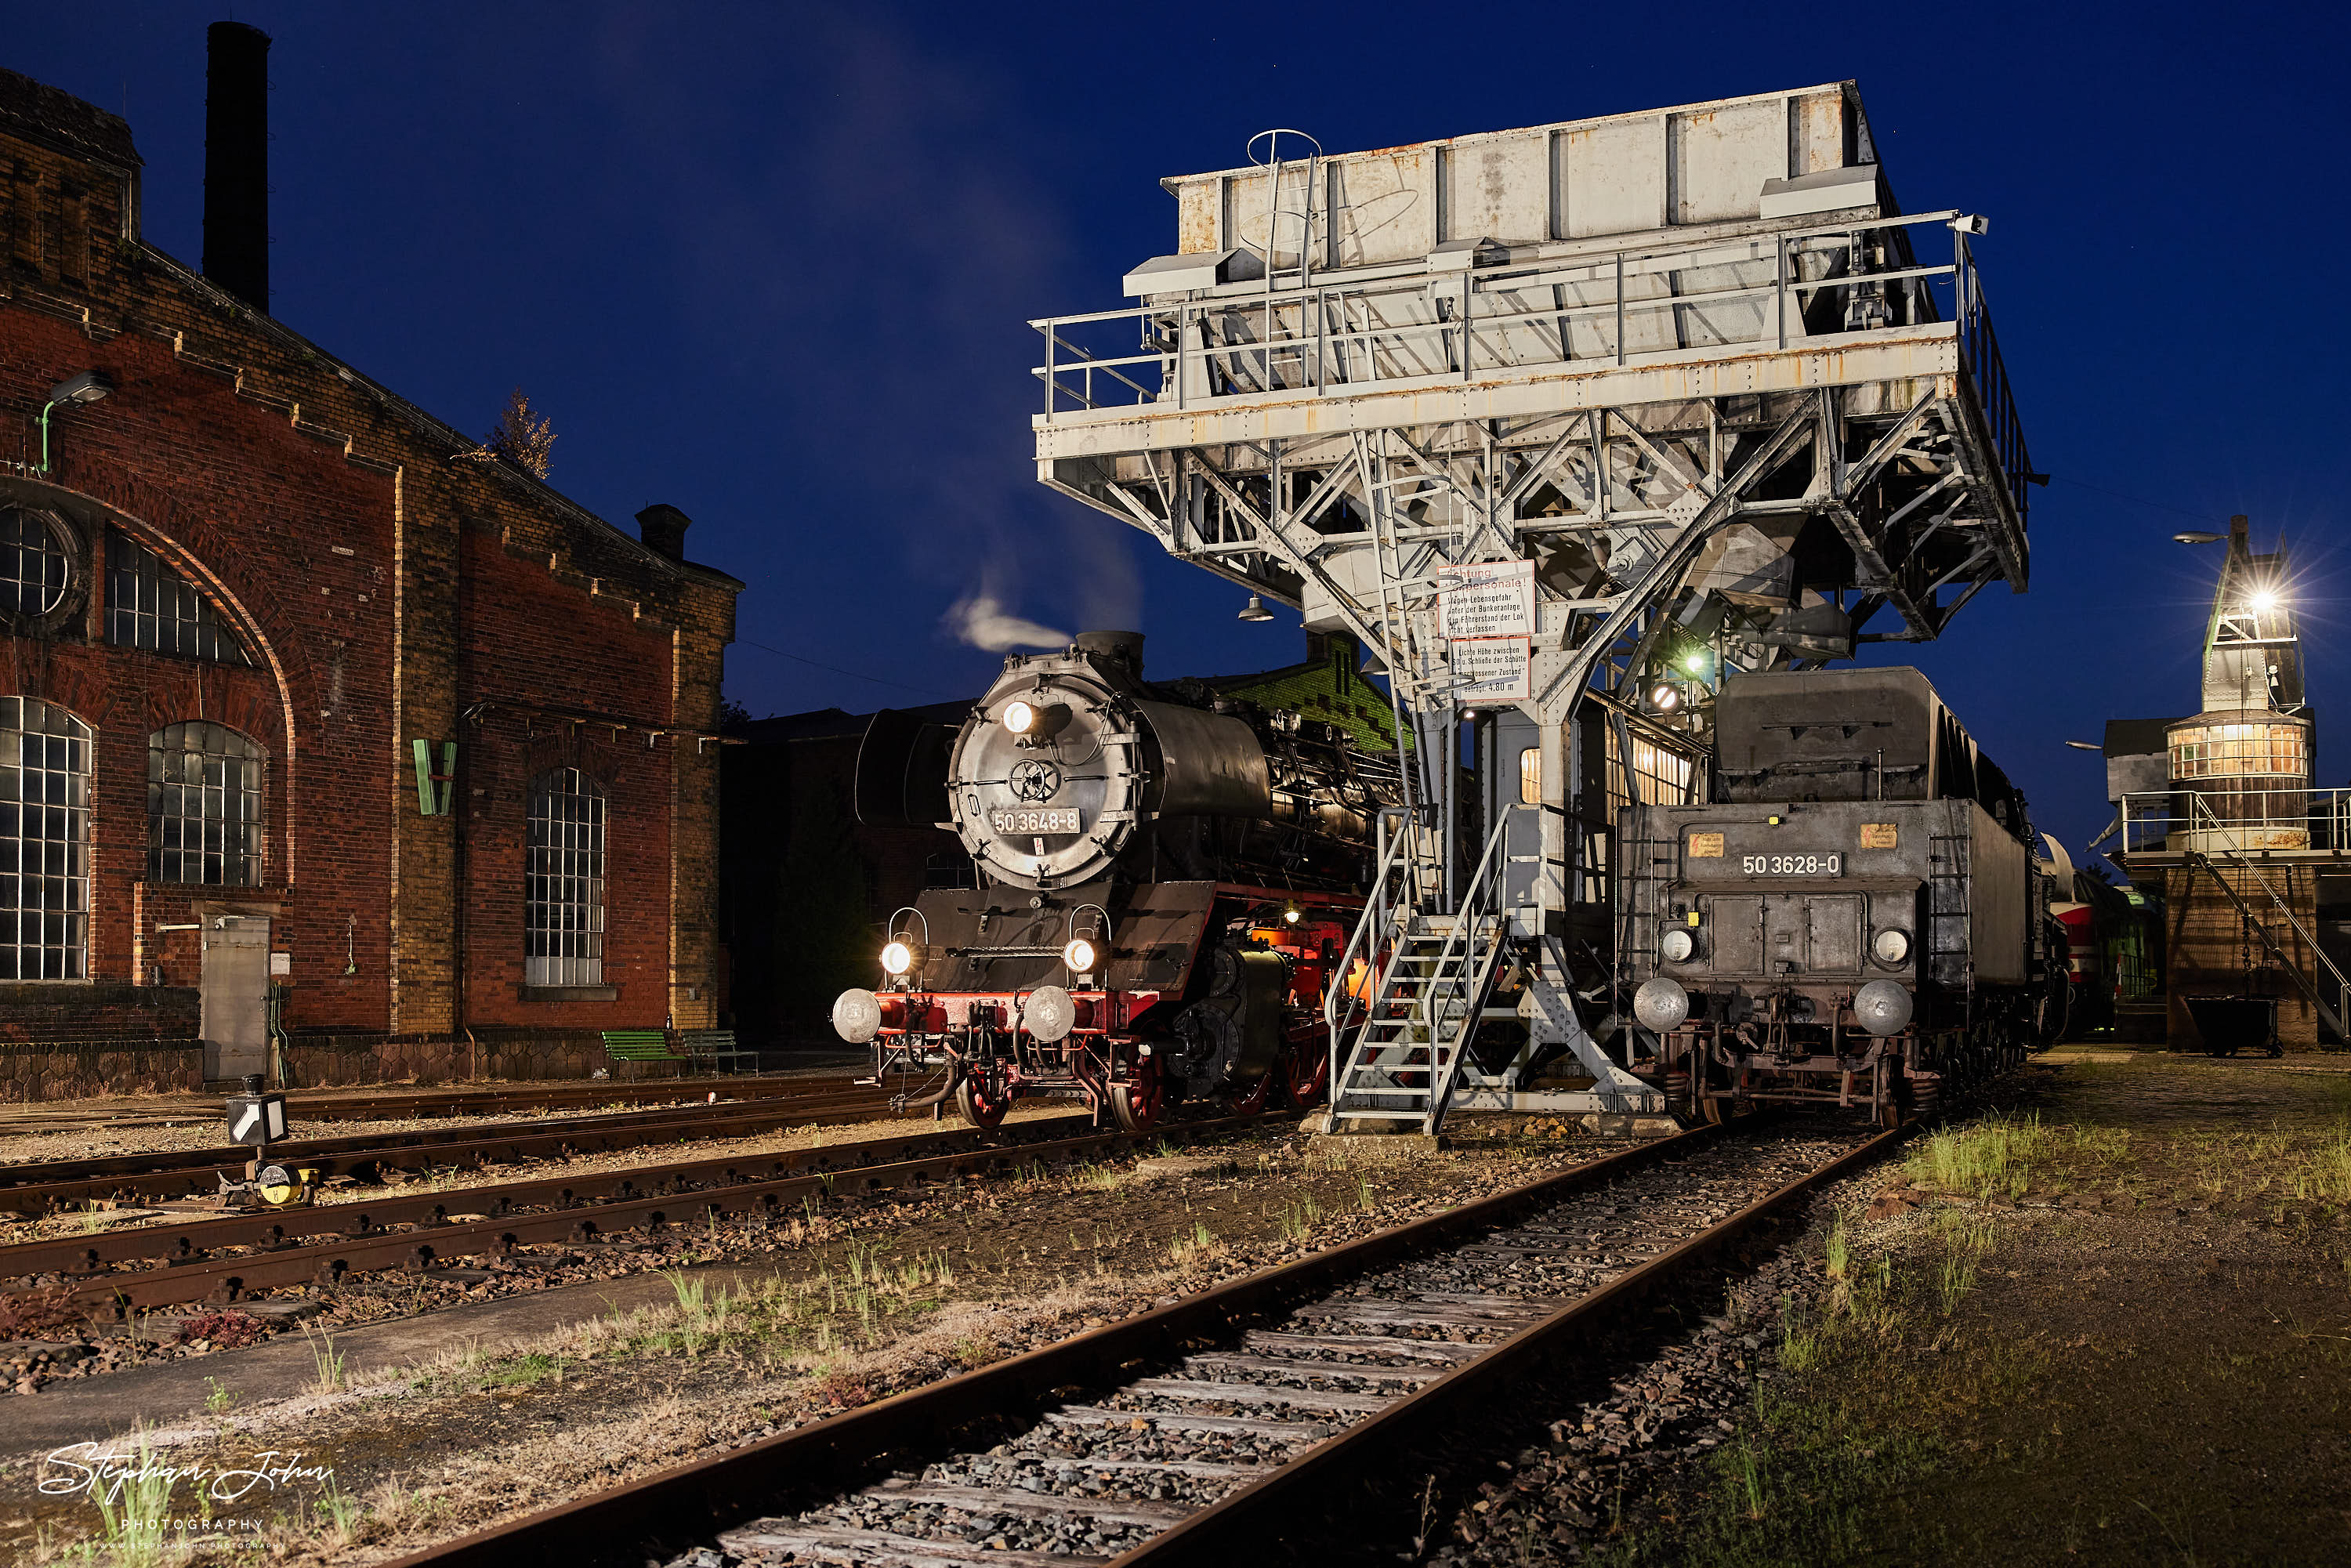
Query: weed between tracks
point(850, 1300)
point(2107, 1324)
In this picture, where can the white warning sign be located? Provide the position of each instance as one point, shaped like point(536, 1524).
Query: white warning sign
point(1495, 669)
point(1495, 599)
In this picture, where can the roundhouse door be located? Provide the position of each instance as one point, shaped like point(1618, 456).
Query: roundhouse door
point(235, 988)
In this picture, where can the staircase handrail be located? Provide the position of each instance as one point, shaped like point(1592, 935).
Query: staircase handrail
point(1480, 902)
point(1390, 855)
point(2198, 805)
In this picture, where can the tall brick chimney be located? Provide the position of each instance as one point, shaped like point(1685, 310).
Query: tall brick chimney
point(236, 162)
point(662, 527)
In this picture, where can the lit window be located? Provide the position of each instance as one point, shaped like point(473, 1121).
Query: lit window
point(1531, 776)
point(564, 931)
point(204, 806)
point(34, 565)
point(149, 605)
point(44, 842)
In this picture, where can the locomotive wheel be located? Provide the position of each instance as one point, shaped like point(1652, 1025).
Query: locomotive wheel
point(982, 1107)
point(1135, 1102)
point(1310, 1077)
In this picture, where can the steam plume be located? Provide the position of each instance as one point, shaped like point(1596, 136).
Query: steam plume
point(980, 620)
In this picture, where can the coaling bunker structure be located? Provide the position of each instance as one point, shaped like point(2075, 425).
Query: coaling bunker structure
point(1564, 425)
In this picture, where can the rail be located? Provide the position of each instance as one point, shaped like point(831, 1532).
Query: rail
point(1400, 328)
point(702, 1500)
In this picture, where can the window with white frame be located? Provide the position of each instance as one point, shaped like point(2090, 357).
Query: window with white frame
point(34, 564)
point(151, 606)
point(204, 806)
point(564, 926)
point(44, 842)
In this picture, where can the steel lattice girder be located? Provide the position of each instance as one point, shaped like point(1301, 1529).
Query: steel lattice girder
point(1893, 495)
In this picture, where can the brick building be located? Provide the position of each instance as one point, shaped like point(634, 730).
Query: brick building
point(357, 750)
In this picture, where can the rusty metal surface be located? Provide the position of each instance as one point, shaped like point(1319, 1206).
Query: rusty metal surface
point(36, 1187)
point(328, 1260)
point(694, 1502)
point(565, 1190)
point(1222, 1533)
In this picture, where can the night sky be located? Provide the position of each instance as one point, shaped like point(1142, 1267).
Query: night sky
point(772, 265)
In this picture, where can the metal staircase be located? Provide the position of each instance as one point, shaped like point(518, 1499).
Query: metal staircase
point(1400, 1038)
point(2209, 822)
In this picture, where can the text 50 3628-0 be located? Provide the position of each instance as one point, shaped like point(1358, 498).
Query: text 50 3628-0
point(1792, 865)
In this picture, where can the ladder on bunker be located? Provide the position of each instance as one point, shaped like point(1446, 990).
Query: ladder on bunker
point(2211, 823)
point(1401, 1037)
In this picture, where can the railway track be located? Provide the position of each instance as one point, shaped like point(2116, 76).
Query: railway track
point(37, 1188)
point(419, 1104)
point(1192, 1433)
point(227, 1257)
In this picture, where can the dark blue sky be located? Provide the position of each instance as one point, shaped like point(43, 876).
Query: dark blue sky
point(772, 263)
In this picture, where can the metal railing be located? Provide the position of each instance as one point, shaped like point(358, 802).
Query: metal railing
point(1464, 957)
point(2251, 821)
point(1399, 327)
point(1395, 884)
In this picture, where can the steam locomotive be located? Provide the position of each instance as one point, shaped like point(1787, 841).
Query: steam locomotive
point(1858, 917)
point(1166, 880)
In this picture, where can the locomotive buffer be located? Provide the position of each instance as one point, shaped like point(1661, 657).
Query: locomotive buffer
point(1564, 423)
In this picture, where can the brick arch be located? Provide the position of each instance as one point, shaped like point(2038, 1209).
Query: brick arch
point(572, 746)
point(151, 514)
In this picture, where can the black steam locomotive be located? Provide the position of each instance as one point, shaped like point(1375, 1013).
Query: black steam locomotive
point(1857, 917)
point(1166, 882)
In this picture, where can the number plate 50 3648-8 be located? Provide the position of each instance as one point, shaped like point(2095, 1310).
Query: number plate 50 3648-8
point(1792, 865)
point(1043, 821)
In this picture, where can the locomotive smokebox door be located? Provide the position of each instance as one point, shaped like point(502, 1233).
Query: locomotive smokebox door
point(257, 1119)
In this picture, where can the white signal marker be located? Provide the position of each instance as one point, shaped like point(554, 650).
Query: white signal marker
point(244, 1123)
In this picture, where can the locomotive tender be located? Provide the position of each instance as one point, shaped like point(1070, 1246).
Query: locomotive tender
point(1857, 916)
point(1166, 882)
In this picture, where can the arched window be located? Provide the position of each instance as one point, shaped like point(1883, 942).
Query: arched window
point(204, 806)
point(34, 565)
point(44, 842)
point(563, 932)
point(149, 605)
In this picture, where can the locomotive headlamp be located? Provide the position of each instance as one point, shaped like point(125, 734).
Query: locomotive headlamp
point(1677, 945)
point(1891, 947)
point(897, 957)
point(1079, 956)
point(1035, 721)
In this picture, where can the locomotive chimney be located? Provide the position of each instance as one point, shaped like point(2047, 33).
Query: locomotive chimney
point(1124, 647)
point(662, 527)
point(236, 162)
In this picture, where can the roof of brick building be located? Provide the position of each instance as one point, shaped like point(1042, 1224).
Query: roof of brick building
point(39, 112)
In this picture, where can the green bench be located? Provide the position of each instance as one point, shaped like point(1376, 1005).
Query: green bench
point(638, 1045)
point(716, 1046)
